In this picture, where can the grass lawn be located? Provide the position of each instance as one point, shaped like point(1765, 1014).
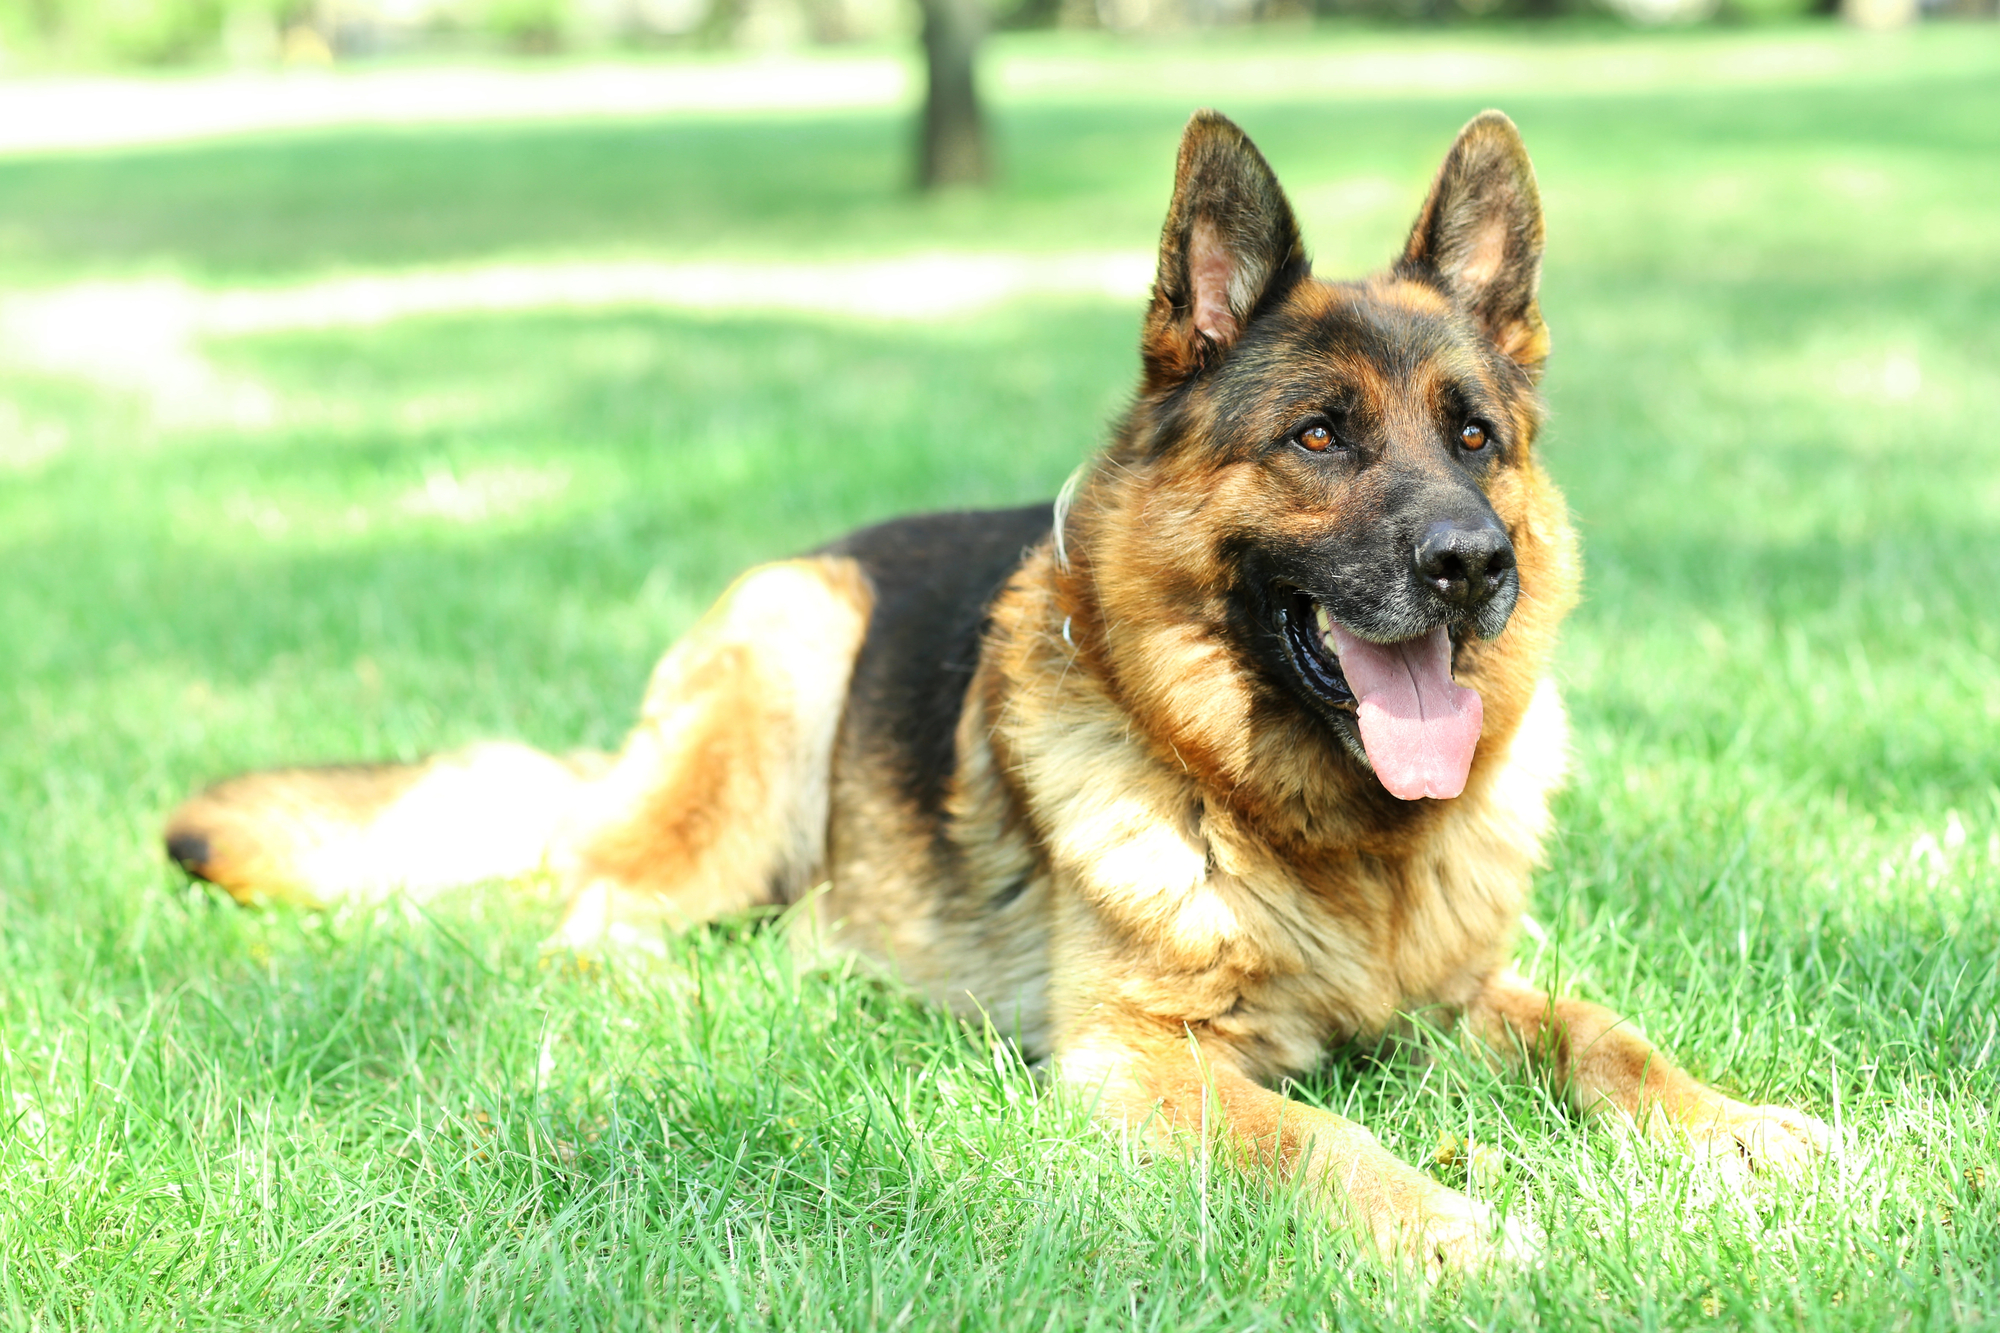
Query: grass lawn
point(1774, 283)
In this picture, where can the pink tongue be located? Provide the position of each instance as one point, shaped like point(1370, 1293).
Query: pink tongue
point(1417, 724)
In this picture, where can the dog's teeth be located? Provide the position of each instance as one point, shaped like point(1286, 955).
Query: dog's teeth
point(1322, 619)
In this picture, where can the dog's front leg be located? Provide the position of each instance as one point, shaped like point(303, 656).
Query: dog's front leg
point(1607, 1068)
point(1189, 1082)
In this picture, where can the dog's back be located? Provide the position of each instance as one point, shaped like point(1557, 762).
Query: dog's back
point(784, 634)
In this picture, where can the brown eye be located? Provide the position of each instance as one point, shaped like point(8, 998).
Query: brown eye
point(1316, 438)
point(1473, 436)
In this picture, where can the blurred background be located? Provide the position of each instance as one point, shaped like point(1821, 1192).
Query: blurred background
point(251, 33)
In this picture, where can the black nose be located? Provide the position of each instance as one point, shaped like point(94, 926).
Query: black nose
point(1464, 563)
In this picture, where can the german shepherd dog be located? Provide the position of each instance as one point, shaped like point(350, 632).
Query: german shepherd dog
point(1240, 750)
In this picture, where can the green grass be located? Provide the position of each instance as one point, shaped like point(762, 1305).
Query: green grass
point(1780, 852)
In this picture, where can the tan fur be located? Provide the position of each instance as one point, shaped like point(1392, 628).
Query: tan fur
point(1151, 860)
point(719, 798)
point(1153, 1075)
point(1609, 1070)
point(321, 835)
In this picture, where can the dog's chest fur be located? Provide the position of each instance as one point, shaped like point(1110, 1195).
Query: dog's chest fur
point(1274, 922)
point(1067, 859)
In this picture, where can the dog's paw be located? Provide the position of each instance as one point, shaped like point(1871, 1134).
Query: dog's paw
point(1450, 1233)
point(1759, 1138)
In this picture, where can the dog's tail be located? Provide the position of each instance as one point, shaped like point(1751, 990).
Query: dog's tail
point(321, 835)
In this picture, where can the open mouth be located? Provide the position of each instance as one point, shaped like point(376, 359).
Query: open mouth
point(1397, 702)
point(1308, 633)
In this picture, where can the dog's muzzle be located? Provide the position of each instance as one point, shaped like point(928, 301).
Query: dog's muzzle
point(1469, 566)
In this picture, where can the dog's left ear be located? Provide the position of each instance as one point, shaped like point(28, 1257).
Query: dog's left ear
point(1230, 240)
point(1479, 238)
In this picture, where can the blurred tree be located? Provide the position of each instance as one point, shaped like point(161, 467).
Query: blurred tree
point(953, 146)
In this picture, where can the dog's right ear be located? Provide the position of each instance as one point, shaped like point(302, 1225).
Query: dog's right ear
point(1229, 242)
point(1479, 238)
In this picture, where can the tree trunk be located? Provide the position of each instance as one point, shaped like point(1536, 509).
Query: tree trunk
point(953, 151)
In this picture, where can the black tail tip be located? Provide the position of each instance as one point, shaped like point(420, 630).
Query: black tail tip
point(190, 851)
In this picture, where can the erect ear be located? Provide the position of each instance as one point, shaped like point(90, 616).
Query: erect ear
point(1479, 238)
point(1230, 240)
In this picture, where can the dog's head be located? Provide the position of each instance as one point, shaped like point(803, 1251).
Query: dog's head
point(1332, 483)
